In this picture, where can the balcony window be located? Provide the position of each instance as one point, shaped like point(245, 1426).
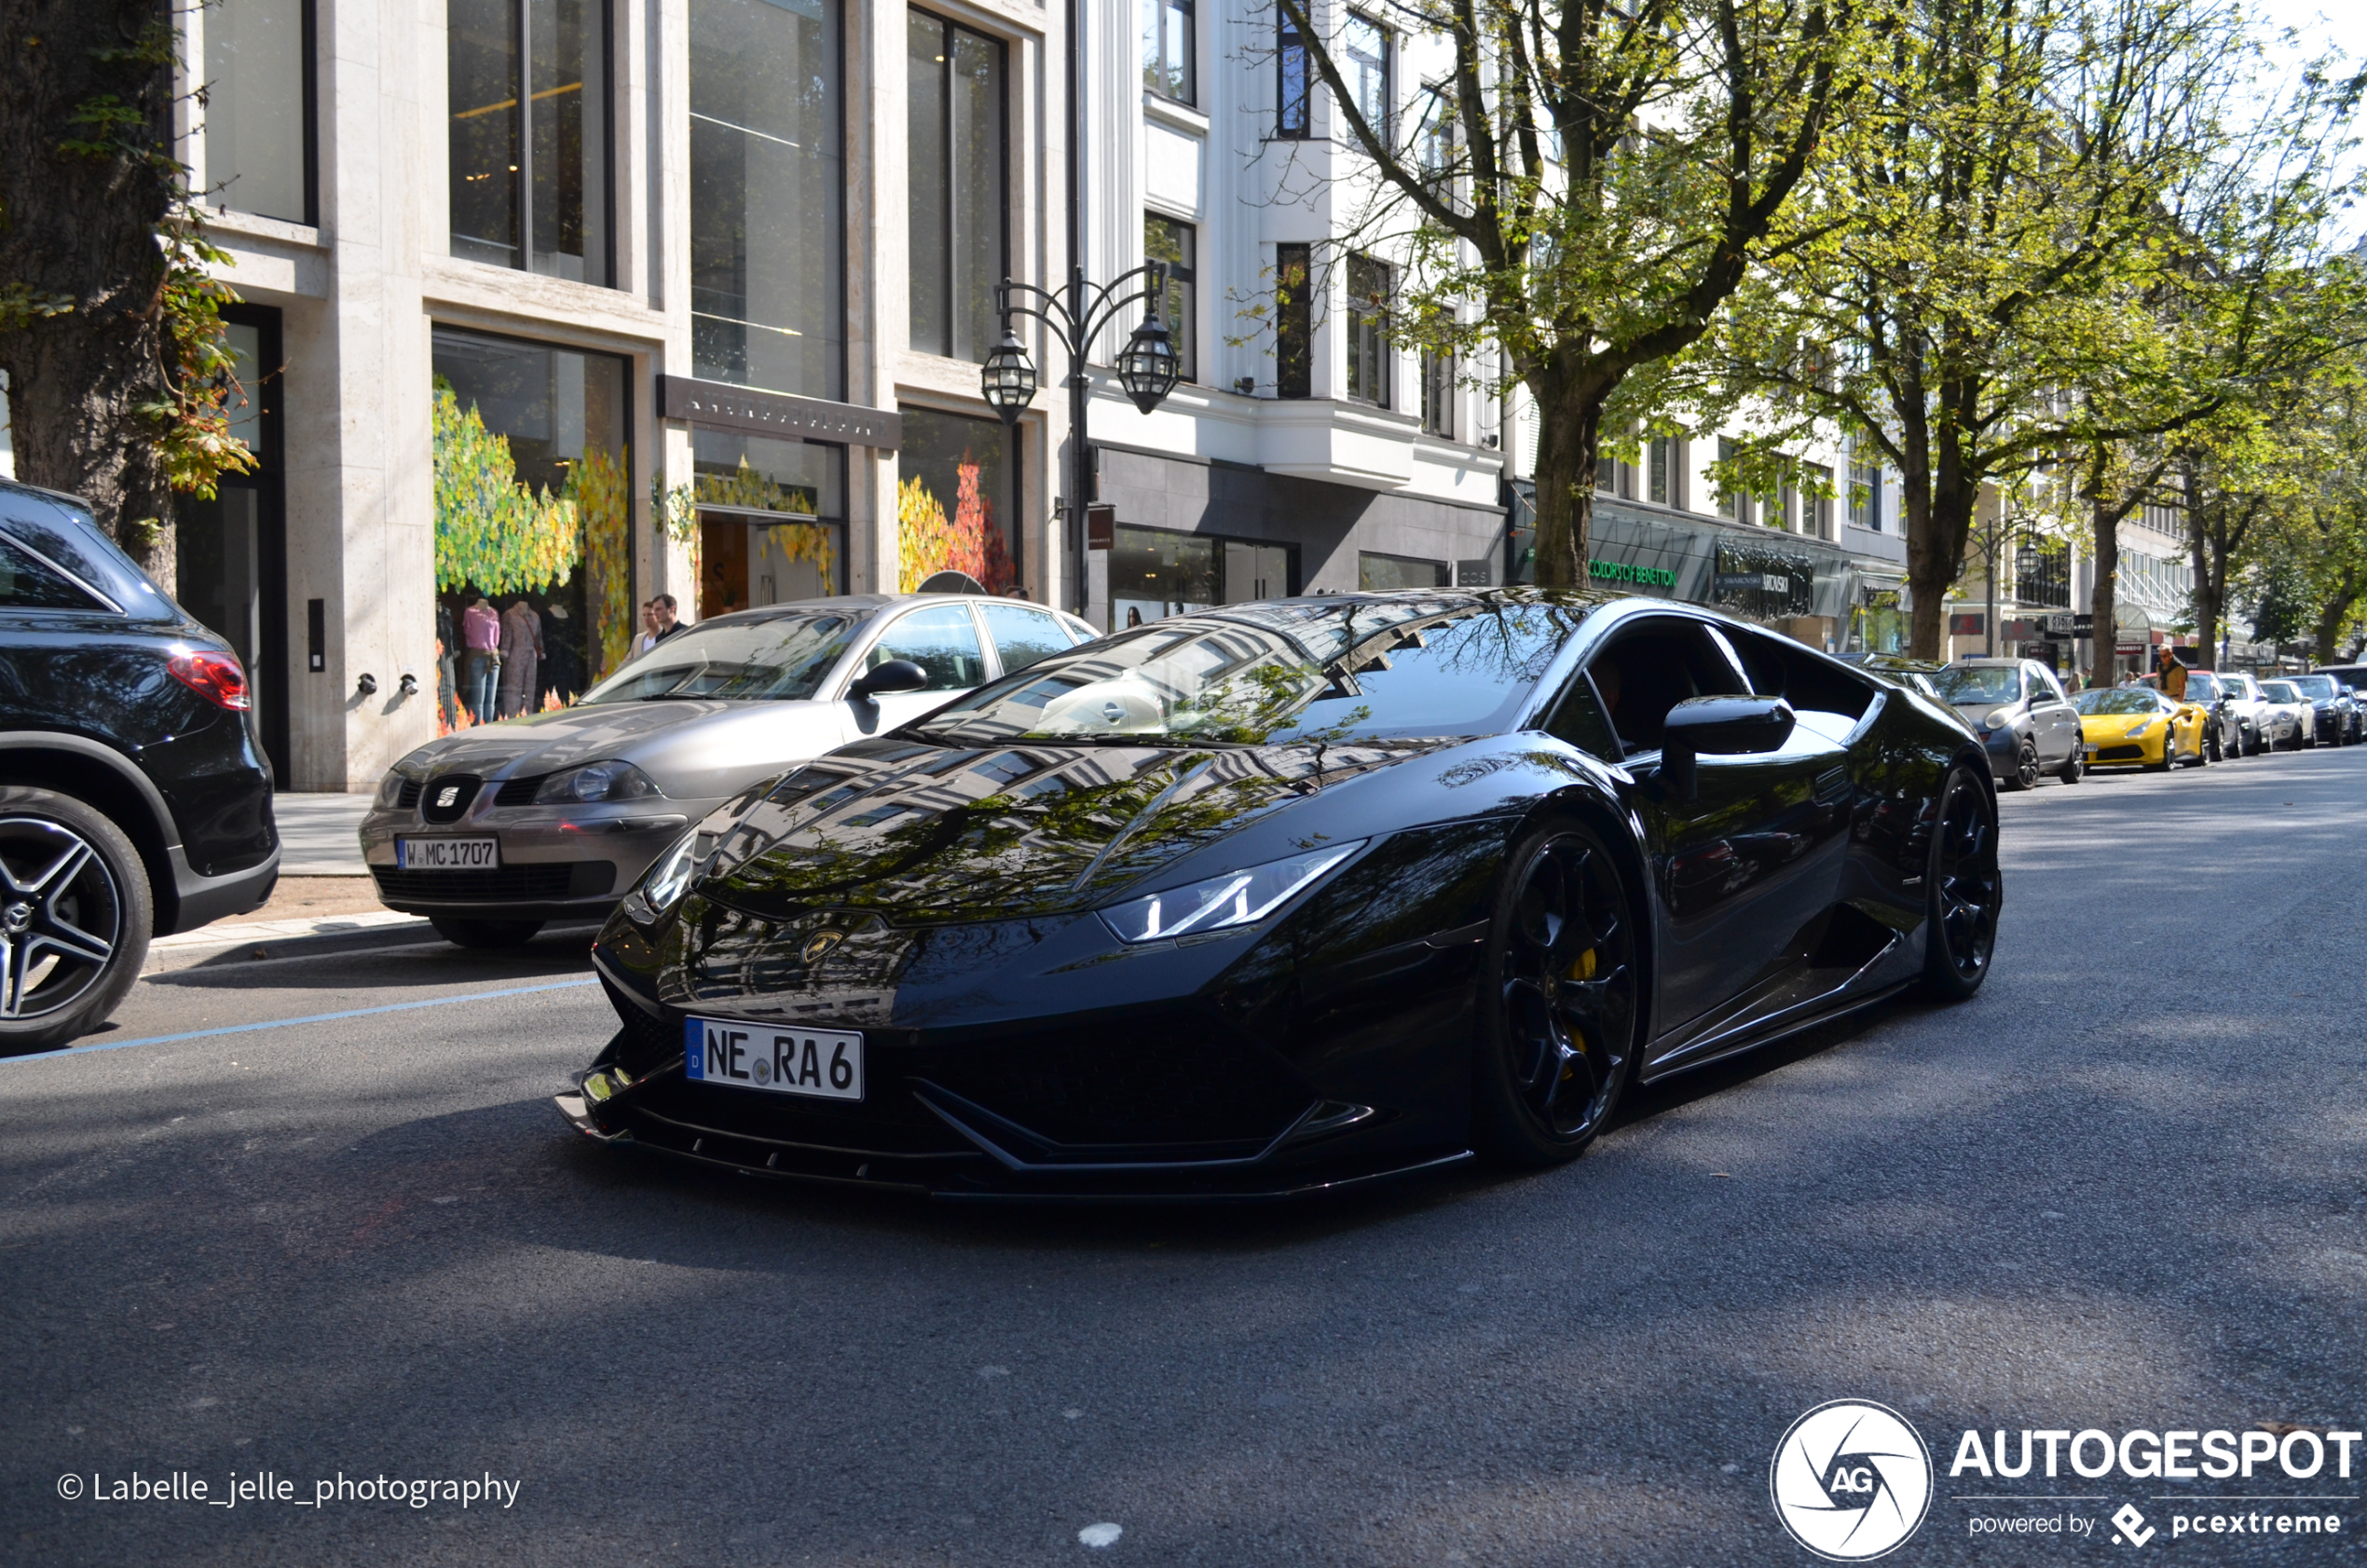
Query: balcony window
point(1365, 65)
point(954, 108)
point(1292, 117)
point(1438, 395)
point(1168, 49)
point(1293, 322)
point(1165, 239)
point(527, 85)
point(767, 196)
point(1369, 288)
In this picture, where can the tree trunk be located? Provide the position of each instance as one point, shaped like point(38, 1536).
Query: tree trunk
point(1569, 426)
point(2104, 633)
point(2207, 585)
point(80, 232)
point(2336, 611)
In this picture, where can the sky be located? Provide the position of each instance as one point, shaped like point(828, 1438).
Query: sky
point(2321, 28)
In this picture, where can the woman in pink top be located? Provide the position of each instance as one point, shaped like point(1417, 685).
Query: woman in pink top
point(481, 636)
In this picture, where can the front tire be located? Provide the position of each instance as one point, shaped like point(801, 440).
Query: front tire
point(1558, 1001)
point(484, 934)
point(1962, 890)
point(76, 915)
point(2025, 773)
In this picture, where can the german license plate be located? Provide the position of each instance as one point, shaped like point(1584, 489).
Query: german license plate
point(447, 855)
point(818, 1063)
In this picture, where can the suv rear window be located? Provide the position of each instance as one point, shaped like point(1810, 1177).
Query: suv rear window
point(69, 536)
point(28, 582)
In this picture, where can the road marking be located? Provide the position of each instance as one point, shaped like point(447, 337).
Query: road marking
point(291, 1023)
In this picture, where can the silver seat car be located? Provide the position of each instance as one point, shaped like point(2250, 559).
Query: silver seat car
point(495, 831)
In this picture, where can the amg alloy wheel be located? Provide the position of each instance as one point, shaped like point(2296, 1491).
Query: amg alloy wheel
point(1964, 890)
point(1559, 1000)
point(74, 918)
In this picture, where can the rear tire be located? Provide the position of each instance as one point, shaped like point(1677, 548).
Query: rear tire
point(484, 934)
point(2025, 773)
point(2074, 767)
point(1962, 890)
point(1558, 1001)
point(76, 915)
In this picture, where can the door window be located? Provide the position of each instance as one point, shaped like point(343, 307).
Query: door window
point(1578, 719)
point(1652, 668)
point(1022, 635)
point(941, 640)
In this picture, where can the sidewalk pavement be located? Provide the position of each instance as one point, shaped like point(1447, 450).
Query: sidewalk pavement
point(320, 834)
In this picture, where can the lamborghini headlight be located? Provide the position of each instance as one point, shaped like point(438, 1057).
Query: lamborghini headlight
point(670, 874)
point(1237, 898)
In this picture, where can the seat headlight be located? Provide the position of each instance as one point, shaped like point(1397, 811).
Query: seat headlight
point(597, 780)
point(1238, 898)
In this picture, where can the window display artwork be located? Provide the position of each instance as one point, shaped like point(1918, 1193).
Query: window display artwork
point(533, 556)
point(955, 501)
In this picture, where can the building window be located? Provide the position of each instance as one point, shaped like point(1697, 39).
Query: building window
point(256, 133)
point(954, 99)
point(1292, 118)
point(1369, 287)
point(1164, 239)
point(1376, 573)
point(1816, 511)
point(1365, 67)
point(1168, 49)
point(1731, 501)
point(528, 87)
point(1661, 483)
point(1438, 395)
point(767, 195)
point(1865, 494)
point(1293, 322)
point(533, 510)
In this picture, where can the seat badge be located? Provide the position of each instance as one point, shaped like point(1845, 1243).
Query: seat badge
point(818, 946)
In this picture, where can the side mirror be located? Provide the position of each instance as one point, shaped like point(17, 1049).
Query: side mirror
point(896, 675)
point(1720, 727)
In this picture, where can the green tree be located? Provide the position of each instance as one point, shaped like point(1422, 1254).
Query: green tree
point(1976, 248)
point(1589, 184)
point(110, 329)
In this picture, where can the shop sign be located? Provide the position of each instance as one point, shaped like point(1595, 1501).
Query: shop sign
point(1763, 581)
point(719, 407)
point(1621, 571)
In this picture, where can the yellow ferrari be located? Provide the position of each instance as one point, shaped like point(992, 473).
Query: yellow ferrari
point(2138, 727)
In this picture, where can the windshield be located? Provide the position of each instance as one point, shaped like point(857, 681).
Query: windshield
point(2321, 688)
point(1307, 670)
point(2118, 700)
point(1967, 683)
point(780, 660)
point(2202, 686)
point(2280, 691)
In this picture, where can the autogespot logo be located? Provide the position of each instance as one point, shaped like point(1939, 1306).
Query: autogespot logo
point(1850, 1480)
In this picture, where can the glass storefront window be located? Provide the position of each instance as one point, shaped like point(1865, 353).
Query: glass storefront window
point(1154, 574)
point(766, 197)
point(256, 131)
point(956, 500)
point(533, 486)
point(529, 86)
point(772, 518)
point(1386, 574)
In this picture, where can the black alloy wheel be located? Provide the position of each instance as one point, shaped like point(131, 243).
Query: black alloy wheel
point(2025, 773)
point(484, 934)
point(1964, 890)
point(2214, 748)
point(2074, 767)
point(76, 915)
point(1558, 998)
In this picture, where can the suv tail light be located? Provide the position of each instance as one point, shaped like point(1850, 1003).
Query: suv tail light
point(214, 677)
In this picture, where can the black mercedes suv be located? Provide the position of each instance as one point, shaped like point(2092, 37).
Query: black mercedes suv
point(135, 797)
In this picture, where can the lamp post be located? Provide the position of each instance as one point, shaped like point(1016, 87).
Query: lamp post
point(1147, 367)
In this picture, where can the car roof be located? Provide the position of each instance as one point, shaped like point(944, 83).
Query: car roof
point(864, 604)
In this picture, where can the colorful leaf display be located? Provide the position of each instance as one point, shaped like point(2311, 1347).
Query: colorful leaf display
point(597, 485)
point(929, 542)
point(490, 530)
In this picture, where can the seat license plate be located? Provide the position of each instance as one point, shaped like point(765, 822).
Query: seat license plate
point(818, 1063)
point(447, 855)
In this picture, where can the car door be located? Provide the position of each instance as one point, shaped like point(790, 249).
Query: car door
point(2053, 718)
point(1023, 635)
point(942, 639)
point(1745, 863)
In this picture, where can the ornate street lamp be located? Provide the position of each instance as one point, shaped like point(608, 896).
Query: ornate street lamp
point(1147, 367)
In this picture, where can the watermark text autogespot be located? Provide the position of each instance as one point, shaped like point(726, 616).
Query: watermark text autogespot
point(270, 1489)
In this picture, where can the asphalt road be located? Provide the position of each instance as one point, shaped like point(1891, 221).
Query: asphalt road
point(2120, 1189)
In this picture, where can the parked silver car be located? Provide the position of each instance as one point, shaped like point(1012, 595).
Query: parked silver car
point(2025, 722)
point(494, 831)
point(2253, 711)
point(2292, 721)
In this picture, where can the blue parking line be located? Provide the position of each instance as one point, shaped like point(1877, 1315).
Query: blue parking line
point(291, 1023)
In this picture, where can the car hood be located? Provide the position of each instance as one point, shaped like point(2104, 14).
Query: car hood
point(693, 750)
point(924, 834)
